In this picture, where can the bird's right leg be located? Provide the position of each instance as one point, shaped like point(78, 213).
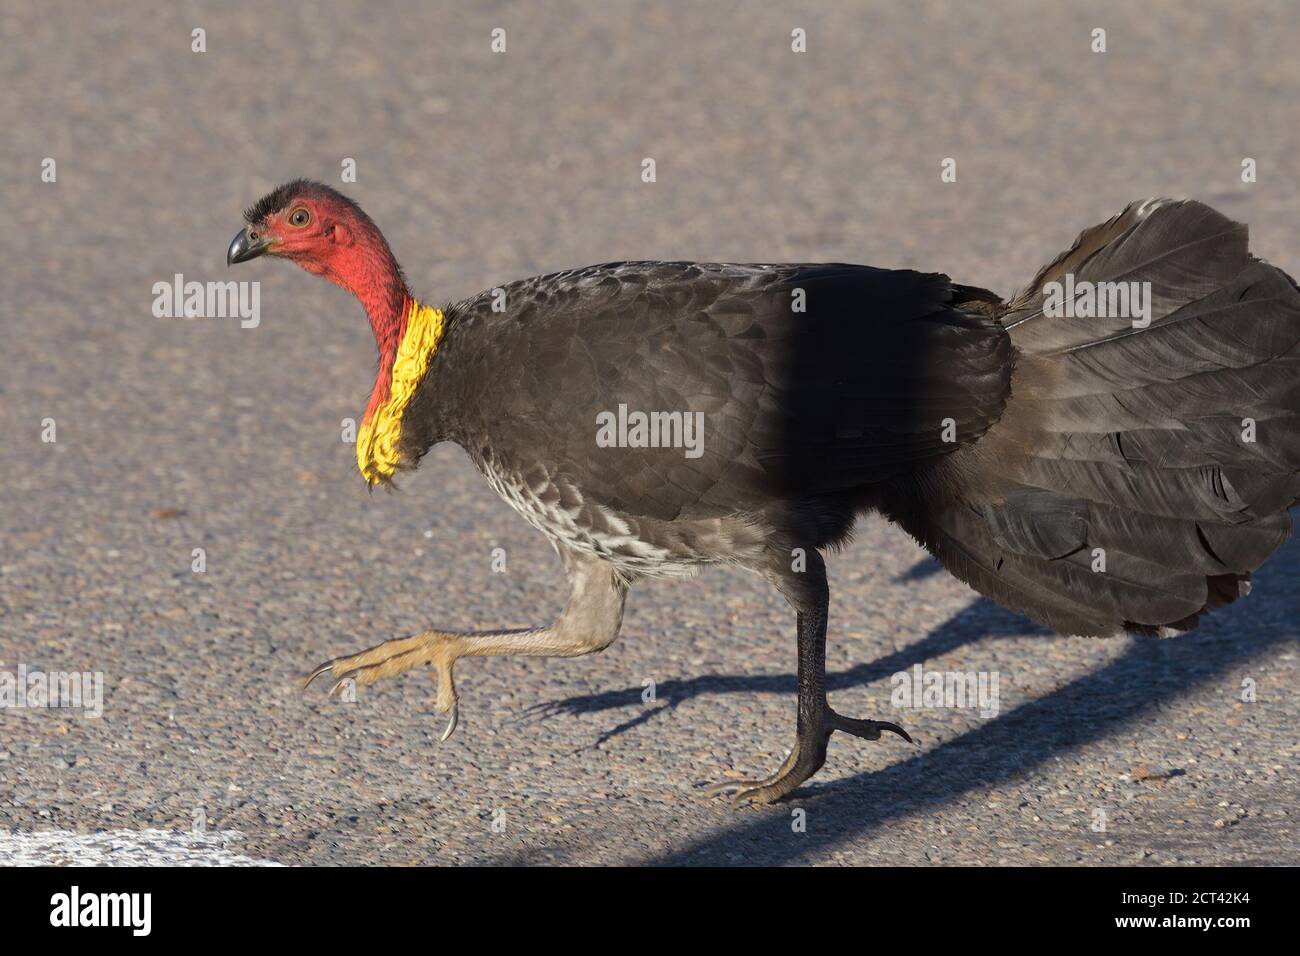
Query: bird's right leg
point(590, 622)
point(816, 721)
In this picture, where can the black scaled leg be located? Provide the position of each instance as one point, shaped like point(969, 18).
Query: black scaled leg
point(816, 721)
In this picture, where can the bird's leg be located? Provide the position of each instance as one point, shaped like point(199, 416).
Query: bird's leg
point(816, 720)
point(589, 623)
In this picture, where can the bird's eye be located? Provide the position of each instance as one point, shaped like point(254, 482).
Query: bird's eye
point(299, 218)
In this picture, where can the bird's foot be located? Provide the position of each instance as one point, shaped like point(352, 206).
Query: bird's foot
point(805, 760)
point(393, 657)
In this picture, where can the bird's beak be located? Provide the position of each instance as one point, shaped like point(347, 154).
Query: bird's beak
point(244, 247)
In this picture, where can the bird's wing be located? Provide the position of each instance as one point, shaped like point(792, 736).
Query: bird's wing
point(810, 380)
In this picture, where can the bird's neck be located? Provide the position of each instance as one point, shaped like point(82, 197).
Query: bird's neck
point(407, 334)
point(389, 311)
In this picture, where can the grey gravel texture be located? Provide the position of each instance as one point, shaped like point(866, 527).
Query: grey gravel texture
point(174, 435)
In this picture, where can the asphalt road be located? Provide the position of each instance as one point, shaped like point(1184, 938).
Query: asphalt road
point(176, 434)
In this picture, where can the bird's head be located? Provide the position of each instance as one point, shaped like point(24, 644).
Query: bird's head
point(327, 234)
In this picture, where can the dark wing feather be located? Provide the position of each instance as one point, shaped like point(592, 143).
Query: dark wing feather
point(848, 392)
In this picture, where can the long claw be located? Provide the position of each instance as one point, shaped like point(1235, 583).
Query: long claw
point(895, 729)
point(750, 791)
point(725, 786)
point(748, 795)
point(451, 722)
point(866, 729)
point(740, 791)
point(324, 668)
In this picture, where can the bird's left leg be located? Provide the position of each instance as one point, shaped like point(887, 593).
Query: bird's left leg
point(590, 622)
point(816, 721)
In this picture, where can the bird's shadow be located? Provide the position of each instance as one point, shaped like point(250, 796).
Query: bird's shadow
point(980, 620)
point(1148, 675)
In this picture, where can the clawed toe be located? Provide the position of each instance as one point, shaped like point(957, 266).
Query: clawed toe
point(452, 720)
point(726, 786)
point(805, 760)
point(867, 729)
point(736, 789)
point(794, 770)
point(395, 657)
point(322, 669)
point(768, 790)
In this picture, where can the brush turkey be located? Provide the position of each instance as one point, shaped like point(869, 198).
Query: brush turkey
point(1097, 472)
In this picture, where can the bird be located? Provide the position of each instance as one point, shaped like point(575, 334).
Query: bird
point(1112, 450)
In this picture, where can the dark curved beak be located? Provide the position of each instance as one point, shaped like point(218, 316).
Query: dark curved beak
point(246, 246)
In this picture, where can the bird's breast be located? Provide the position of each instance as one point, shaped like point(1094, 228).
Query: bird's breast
point(560, 510)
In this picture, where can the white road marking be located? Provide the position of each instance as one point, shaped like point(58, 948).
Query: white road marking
point(122, 848)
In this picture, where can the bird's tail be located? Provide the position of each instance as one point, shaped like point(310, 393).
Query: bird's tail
point(1150, 447)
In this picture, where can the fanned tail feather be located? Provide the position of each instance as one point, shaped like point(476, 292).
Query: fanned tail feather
point(1138, 474)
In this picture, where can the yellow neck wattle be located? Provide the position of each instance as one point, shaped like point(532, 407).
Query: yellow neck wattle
point(377, 454)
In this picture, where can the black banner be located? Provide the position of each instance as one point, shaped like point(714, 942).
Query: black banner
point(233, 905)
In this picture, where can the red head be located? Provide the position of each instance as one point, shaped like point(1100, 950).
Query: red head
point(327, 234)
